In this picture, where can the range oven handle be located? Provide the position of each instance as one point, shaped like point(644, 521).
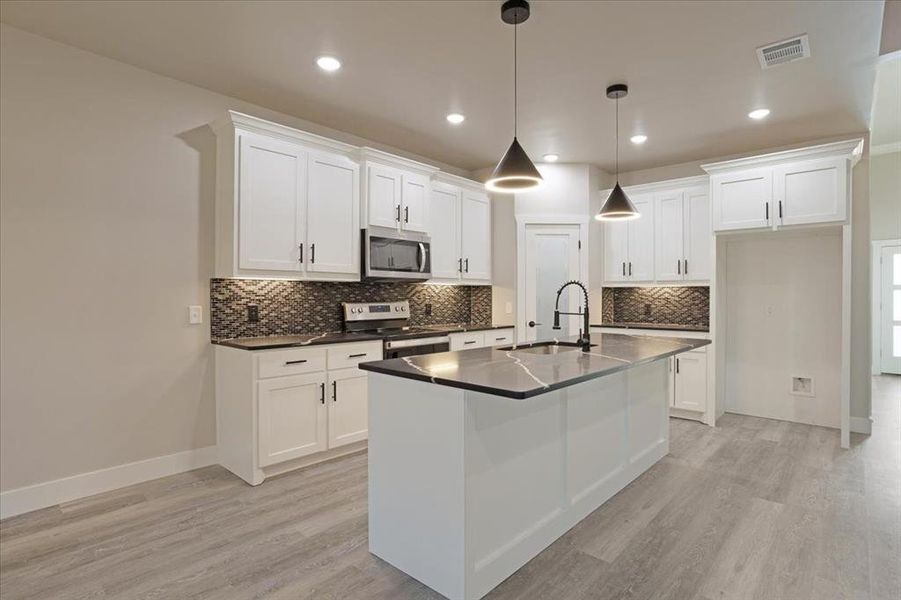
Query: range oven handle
point(427, 341)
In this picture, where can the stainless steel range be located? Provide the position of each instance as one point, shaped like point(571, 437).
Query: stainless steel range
point(391, 320)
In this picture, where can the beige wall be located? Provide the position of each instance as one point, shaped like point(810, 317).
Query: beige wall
point(106, 199)
point(885, 196)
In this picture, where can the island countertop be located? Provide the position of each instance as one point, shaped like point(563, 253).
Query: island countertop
point(518, 374)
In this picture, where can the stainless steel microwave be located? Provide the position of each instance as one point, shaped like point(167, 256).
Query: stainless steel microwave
point(389, 254)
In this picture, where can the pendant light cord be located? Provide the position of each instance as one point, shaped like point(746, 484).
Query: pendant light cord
point(515, 74)
point(617, 139)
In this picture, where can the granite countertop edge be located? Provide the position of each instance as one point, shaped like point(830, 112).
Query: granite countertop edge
point(659, 326)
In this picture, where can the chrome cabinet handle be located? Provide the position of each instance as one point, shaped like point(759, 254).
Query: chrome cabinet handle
point(322, 393)
point(295, 362)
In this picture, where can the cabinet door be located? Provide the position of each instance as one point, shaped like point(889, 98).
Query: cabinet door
point(383, 196)
point(475, 236)
point(348, 412)
point(691, 381)
point(668, 245)
point(813, 191)
point(742, 200)
point(291, 417)
point(616, 250)
point(697, 235)
point(271, 204)
point(445, 232)
point(333, 222)
point(415, 203)
point(640, 265)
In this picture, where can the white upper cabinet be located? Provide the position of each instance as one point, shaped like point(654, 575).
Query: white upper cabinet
point(272, 203)
point(415, 202)
point(287, 203)
point(742, 200)
point(383, 189)
point(445, 232)
point(396, 192)
point(808, 186)
point(671, 242)
point(460, 230)
point(641, 241)
point(333, 214)
point(812, 191)
point(475, 236)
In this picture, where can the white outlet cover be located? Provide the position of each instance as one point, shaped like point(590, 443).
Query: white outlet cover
point(508, 307)
point(195, 314)
point(802, 386)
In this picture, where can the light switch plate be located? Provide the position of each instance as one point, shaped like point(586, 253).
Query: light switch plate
point(195, 314)
point(508, 307)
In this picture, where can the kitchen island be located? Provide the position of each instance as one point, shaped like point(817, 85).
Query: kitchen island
point(480, 459)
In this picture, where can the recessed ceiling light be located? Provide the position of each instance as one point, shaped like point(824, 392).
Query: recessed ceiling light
point(638, 139)
point(328, 63)
point(551, 157)
point(760, 113)
point(455, 118)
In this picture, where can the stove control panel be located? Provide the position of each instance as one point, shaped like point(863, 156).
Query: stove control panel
point(372, 311)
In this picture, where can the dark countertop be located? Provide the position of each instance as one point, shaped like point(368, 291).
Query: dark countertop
point(270, 342)
point(289, 341)
point(661, 326)
point(519, 375)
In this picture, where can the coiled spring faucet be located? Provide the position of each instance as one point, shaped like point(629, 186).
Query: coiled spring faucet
point(584, 335)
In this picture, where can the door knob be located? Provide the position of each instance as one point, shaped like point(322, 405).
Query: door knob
point(533, 323)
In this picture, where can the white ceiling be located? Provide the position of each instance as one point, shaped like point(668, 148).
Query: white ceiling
point(691, 67)
point(886, 123)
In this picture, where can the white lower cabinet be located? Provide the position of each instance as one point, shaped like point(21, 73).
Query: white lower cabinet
point(468, 340)
point(690, 381)
point(347, 407)
point(282, 409)
point(292, 417)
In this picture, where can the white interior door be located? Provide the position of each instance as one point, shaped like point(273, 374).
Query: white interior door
point(891, 311)
point(552, 259)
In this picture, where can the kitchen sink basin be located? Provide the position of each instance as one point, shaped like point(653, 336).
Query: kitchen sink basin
point(545, 348)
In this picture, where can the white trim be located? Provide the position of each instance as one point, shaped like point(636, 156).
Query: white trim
point(852, 147)
point(456, 180)
point(862, 425)
point(876, 247)
point(885, 148)
point(667, 184)
point(845, 389)
point(237, 120)
point(392, 160)
point(41, 495)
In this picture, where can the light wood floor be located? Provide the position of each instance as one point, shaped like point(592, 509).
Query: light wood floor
point(752, 509)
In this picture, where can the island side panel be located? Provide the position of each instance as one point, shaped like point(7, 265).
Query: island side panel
point(416, 482)
point(535, 468)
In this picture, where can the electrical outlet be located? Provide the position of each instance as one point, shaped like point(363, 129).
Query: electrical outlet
point(428, 309)
point(802, 386)
point(253, 313)
point(647, 310)
point(508, 308)
point(195, 314)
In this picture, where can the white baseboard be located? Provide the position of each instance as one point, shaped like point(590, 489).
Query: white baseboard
point(41, 495)
point(862, 425)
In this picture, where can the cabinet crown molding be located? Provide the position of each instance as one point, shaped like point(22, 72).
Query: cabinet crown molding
point(236, 120)
point(851, 149)
point(392, 160)
point(668, 185)
point(449, 179)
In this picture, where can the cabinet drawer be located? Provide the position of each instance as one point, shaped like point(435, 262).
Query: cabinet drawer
point(344, 356)
point(293, 361)
point(499, 337)
point(467, 340)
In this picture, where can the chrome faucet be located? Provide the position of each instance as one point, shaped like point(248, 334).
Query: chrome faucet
point(584, 335)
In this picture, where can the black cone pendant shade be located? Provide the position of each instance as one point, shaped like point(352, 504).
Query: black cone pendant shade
point(617, 207)
point(515, 172)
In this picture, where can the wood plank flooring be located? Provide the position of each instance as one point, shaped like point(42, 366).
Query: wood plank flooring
point(753, 509)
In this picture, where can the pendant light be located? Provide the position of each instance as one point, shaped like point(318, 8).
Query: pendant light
point(617, 207)
point(515, 172)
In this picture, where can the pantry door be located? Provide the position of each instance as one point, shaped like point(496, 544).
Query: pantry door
point(551, 259)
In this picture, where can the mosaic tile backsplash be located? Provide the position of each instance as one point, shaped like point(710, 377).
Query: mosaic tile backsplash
point(665, 305)
point(287, 307)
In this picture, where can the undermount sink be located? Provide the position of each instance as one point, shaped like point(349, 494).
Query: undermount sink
point(545, 348)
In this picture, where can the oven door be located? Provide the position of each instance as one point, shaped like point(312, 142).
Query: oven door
point(391, 255)
point(415, 347)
